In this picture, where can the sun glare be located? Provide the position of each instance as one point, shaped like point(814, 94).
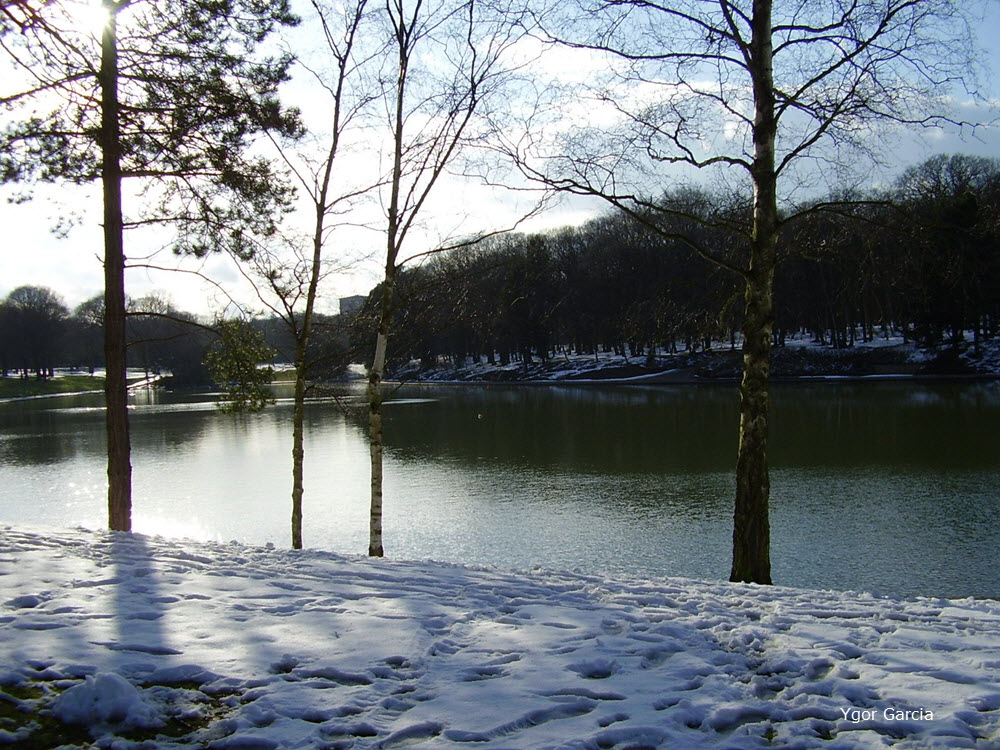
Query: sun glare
point(88, 16)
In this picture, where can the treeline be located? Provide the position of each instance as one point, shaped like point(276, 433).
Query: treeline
point(921, 260)
point(39, 333)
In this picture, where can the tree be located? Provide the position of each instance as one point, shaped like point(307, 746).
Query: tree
point(785, 96)
point(170, 94)
point(8, 339)
point(88, 333)
point(287, 274)
point(162, 338)
point(448, 60)
point(148, 327)
point(237, 363)
point(951, 236)
point(610, 284)
point(33, 321)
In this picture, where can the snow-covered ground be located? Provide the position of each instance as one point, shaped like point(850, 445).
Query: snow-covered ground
point(228, 646)
point(799, 357)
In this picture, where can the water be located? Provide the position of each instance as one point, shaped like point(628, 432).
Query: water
point(886, 487)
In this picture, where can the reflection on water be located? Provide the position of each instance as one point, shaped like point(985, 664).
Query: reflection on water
point(612, 431)
point(882, 486)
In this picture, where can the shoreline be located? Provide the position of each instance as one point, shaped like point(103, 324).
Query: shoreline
point(794, 363)
point(667, 378)
point(142, 383)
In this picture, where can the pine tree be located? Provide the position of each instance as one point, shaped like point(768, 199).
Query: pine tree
point(169, 95)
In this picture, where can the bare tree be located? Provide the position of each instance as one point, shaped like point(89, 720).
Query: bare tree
point(288, 273)
point(31, 318)
point(449, 61)
point(785, 95)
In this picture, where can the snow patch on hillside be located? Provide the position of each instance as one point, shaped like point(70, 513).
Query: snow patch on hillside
point(237, 647)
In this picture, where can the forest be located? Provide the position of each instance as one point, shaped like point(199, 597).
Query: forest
point(921, 261)
point(39, 333)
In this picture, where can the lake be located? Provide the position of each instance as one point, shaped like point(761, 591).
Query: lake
point(881, 486)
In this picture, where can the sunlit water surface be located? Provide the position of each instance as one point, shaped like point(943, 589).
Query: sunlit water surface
point(886, 487)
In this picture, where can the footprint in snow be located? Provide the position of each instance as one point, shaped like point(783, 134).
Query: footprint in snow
point(287, 586)
point(563, 710)
point(285, 664)
point(408, 735)
point(38, 625)
point(445, 647)
point(476, 674)
point(986, 703)
point(578, 692)
point(594, 669)
point(333, 674)
point(27, 601)
point(354, 729)
point(396, 704)
point(562, 650)
point(607, 721)
point(146, 615)
point(653, 657)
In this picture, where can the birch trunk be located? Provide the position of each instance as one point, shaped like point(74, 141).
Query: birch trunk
point(393, 240)
point(375, 548)
point(751, 525)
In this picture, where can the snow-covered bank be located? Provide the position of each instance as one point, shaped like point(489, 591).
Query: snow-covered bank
point(227, 646)
point(798, 358)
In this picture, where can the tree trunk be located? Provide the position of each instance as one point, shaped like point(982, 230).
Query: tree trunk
point(116, 384)
point(302, 336)
point(393, 242)
point(298, 451)
point(751, 526)
point(375, 548)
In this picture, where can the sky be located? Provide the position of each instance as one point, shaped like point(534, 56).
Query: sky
point(33, 252)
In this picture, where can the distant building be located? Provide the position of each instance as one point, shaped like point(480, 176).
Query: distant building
point(351, 306)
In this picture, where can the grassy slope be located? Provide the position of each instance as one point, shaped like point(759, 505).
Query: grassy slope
point(14, 387)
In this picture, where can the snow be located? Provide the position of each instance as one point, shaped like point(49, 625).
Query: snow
point(800, 357)
point(149, 642)
point(106, 698)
